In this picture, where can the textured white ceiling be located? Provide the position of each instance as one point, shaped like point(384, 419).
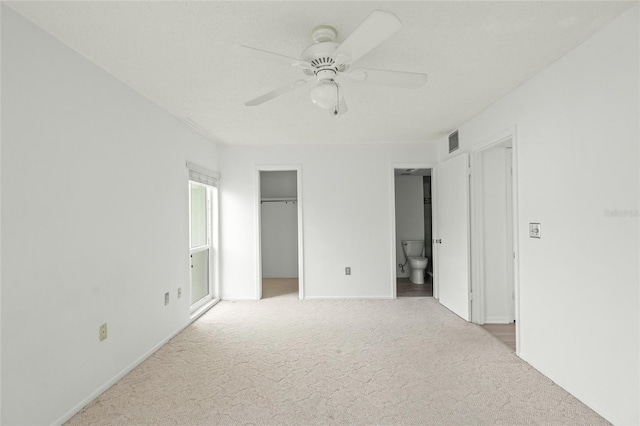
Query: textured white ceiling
point(180, 55)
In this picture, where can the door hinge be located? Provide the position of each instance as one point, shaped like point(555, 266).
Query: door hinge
point(469, 170)
point(470, 296)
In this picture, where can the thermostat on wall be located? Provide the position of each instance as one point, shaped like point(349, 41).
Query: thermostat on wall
point(534, 230)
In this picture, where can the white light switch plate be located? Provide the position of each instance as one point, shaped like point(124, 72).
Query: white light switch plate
point(535, 231)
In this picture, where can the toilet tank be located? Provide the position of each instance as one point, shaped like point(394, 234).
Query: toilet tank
point(412, 247)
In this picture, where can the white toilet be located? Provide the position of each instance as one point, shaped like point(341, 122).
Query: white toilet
point(414, 252)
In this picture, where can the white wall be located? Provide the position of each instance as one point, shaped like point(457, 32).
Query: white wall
point(279, 239)
point(409, 215)
point(278, 184)
point(347, 201)
point(279, 225)
point(94, 225)
point(577, 157)
point(495, 257)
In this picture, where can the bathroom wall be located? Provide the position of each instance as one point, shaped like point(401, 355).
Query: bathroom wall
point(577, 163)
point(409, 215)
point(428, 221)
point(95, 225)
point(279, 225)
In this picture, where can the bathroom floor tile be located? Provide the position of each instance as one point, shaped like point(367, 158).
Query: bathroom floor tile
point(406, 288)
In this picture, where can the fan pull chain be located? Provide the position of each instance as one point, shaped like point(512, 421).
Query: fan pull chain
point(335, 112)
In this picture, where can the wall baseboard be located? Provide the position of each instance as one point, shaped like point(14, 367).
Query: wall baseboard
point(496, 320)
point(95, 394)
point(578, 395)
point(348, 297)
point(239, 299)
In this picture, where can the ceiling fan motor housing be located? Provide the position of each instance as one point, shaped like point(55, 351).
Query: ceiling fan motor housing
point(320, 56)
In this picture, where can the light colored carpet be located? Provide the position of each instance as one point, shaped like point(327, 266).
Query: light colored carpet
point(285, 361)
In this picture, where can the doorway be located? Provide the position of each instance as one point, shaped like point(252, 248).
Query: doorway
point(494, 260)
point(280, 233)
point(413, 222)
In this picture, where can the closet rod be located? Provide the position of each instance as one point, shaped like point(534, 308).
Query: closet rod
point(278, 200)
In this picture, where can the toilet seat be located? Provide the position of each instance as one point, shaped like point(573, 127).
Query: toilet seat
point(418, 262)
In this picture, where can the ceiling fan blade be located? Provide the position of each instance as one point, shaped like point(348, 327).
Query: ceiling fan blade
point(378, 27)
point(277, 92)
point(408, 80)
point(264, 55)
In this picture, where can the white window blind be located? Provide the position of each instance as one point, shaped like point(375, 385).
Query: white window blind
point(202, 175)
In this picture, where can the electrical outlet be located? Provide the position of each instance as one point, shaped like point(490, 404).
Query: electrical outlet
point(102, 333)
point(166, 298)
point(535, 230)
point(347, 270)
point(179, 292)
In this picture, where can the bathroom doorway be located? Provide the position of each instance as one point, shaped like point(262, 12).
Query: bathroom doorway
point(280, 228)
point(413, 223)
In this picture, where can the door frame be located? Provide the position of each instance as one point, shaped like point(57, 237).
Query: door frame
point(477, 234)
point(392, 215)
point(258, 225)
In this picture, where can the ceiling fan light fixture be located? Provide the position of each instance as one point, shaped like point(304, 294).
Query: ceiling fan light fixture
point(330, 63)
point(325, 94)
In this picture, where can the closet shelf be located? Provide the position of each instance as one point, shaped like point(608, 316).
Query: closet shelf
point(279, 200)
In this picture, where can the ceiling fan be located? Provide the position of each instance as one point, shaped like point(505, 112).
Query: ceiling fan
point(329, 63)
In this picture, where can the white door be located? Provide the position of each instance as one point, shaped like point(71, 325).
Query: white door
point(453, 234)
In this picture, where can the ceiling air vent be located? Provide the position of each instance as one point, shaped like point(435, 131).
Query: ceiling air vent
point(453, 142)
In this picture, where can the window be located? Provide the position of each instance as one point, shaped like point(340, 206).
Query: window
point(203, 212)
